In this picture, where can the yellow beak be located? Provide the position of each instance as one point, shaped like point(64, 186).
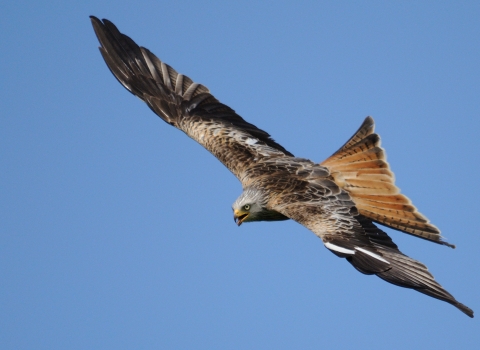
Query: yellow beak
point(239, 216)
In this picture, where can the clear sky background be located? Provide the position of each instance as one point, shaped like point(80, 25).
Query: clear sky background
point(116, 230)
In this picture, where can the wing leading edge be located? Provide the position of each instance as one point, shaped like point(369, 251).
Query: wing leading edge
point(184, 104)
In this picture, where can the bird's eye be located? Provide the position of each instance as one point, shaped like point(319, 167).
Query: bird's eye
point(246, 207)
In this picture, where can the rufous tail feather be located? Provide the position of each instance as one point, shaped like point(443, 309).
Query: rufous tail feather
point(360, 167)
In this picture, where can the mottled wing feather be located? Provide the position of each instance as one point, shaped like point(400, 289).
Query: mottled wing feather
point(368, 249)
point(318, 203)
point(405, 271)
point(184, 104)
point(360, 167)
point(306, 193)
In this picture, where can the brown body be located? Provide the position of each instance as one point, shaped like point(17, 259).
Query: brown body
point(339, 199)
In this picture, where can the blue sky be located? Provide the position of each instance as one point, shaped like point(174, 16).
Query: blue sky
point(116, 230)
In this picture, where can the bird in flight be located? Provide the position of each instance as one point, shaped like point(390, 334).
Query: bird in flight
point(340, 199)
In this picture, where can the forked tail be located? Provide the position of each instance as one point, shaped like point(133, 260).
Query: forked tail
point(360, 167)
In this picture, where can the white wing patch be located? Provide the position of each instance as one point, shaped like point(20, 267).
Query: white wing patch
point(251, 141)
point(352, 252)
point(339, 249)
point(373, 255)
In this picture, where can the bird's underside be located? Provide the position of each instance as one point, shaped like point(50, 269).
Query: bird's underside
point(339, 199)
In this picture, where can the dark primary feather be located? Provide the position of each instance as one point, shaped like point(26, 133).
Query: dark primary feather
point(320, 205)
point(340, 225)
point(184, 104)
point(337, 199)
point(404, 271)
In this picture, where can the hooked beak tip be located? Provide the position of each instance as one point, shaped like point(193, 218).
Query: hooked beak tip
point(239, 218)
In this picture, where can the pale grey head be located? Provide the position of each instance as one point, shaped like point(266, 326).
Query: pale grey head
point(251, 205)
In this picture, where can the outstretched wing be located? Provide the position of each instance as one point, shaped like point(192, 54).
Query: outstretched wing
point(184, 104)
point(375, 253)
point(328, 211)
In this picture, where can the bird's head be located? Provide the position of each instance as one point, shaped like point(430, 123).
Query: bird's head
point(251, 206)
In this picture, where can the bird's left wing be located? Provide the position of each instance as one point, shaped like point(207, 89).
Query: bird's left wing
point(184, 104)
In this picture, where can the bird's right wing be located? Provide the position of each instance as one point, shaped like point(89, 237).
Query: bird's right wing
point(314, 200)
point(184, 104)
point(330, 215)
point(382, 258)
